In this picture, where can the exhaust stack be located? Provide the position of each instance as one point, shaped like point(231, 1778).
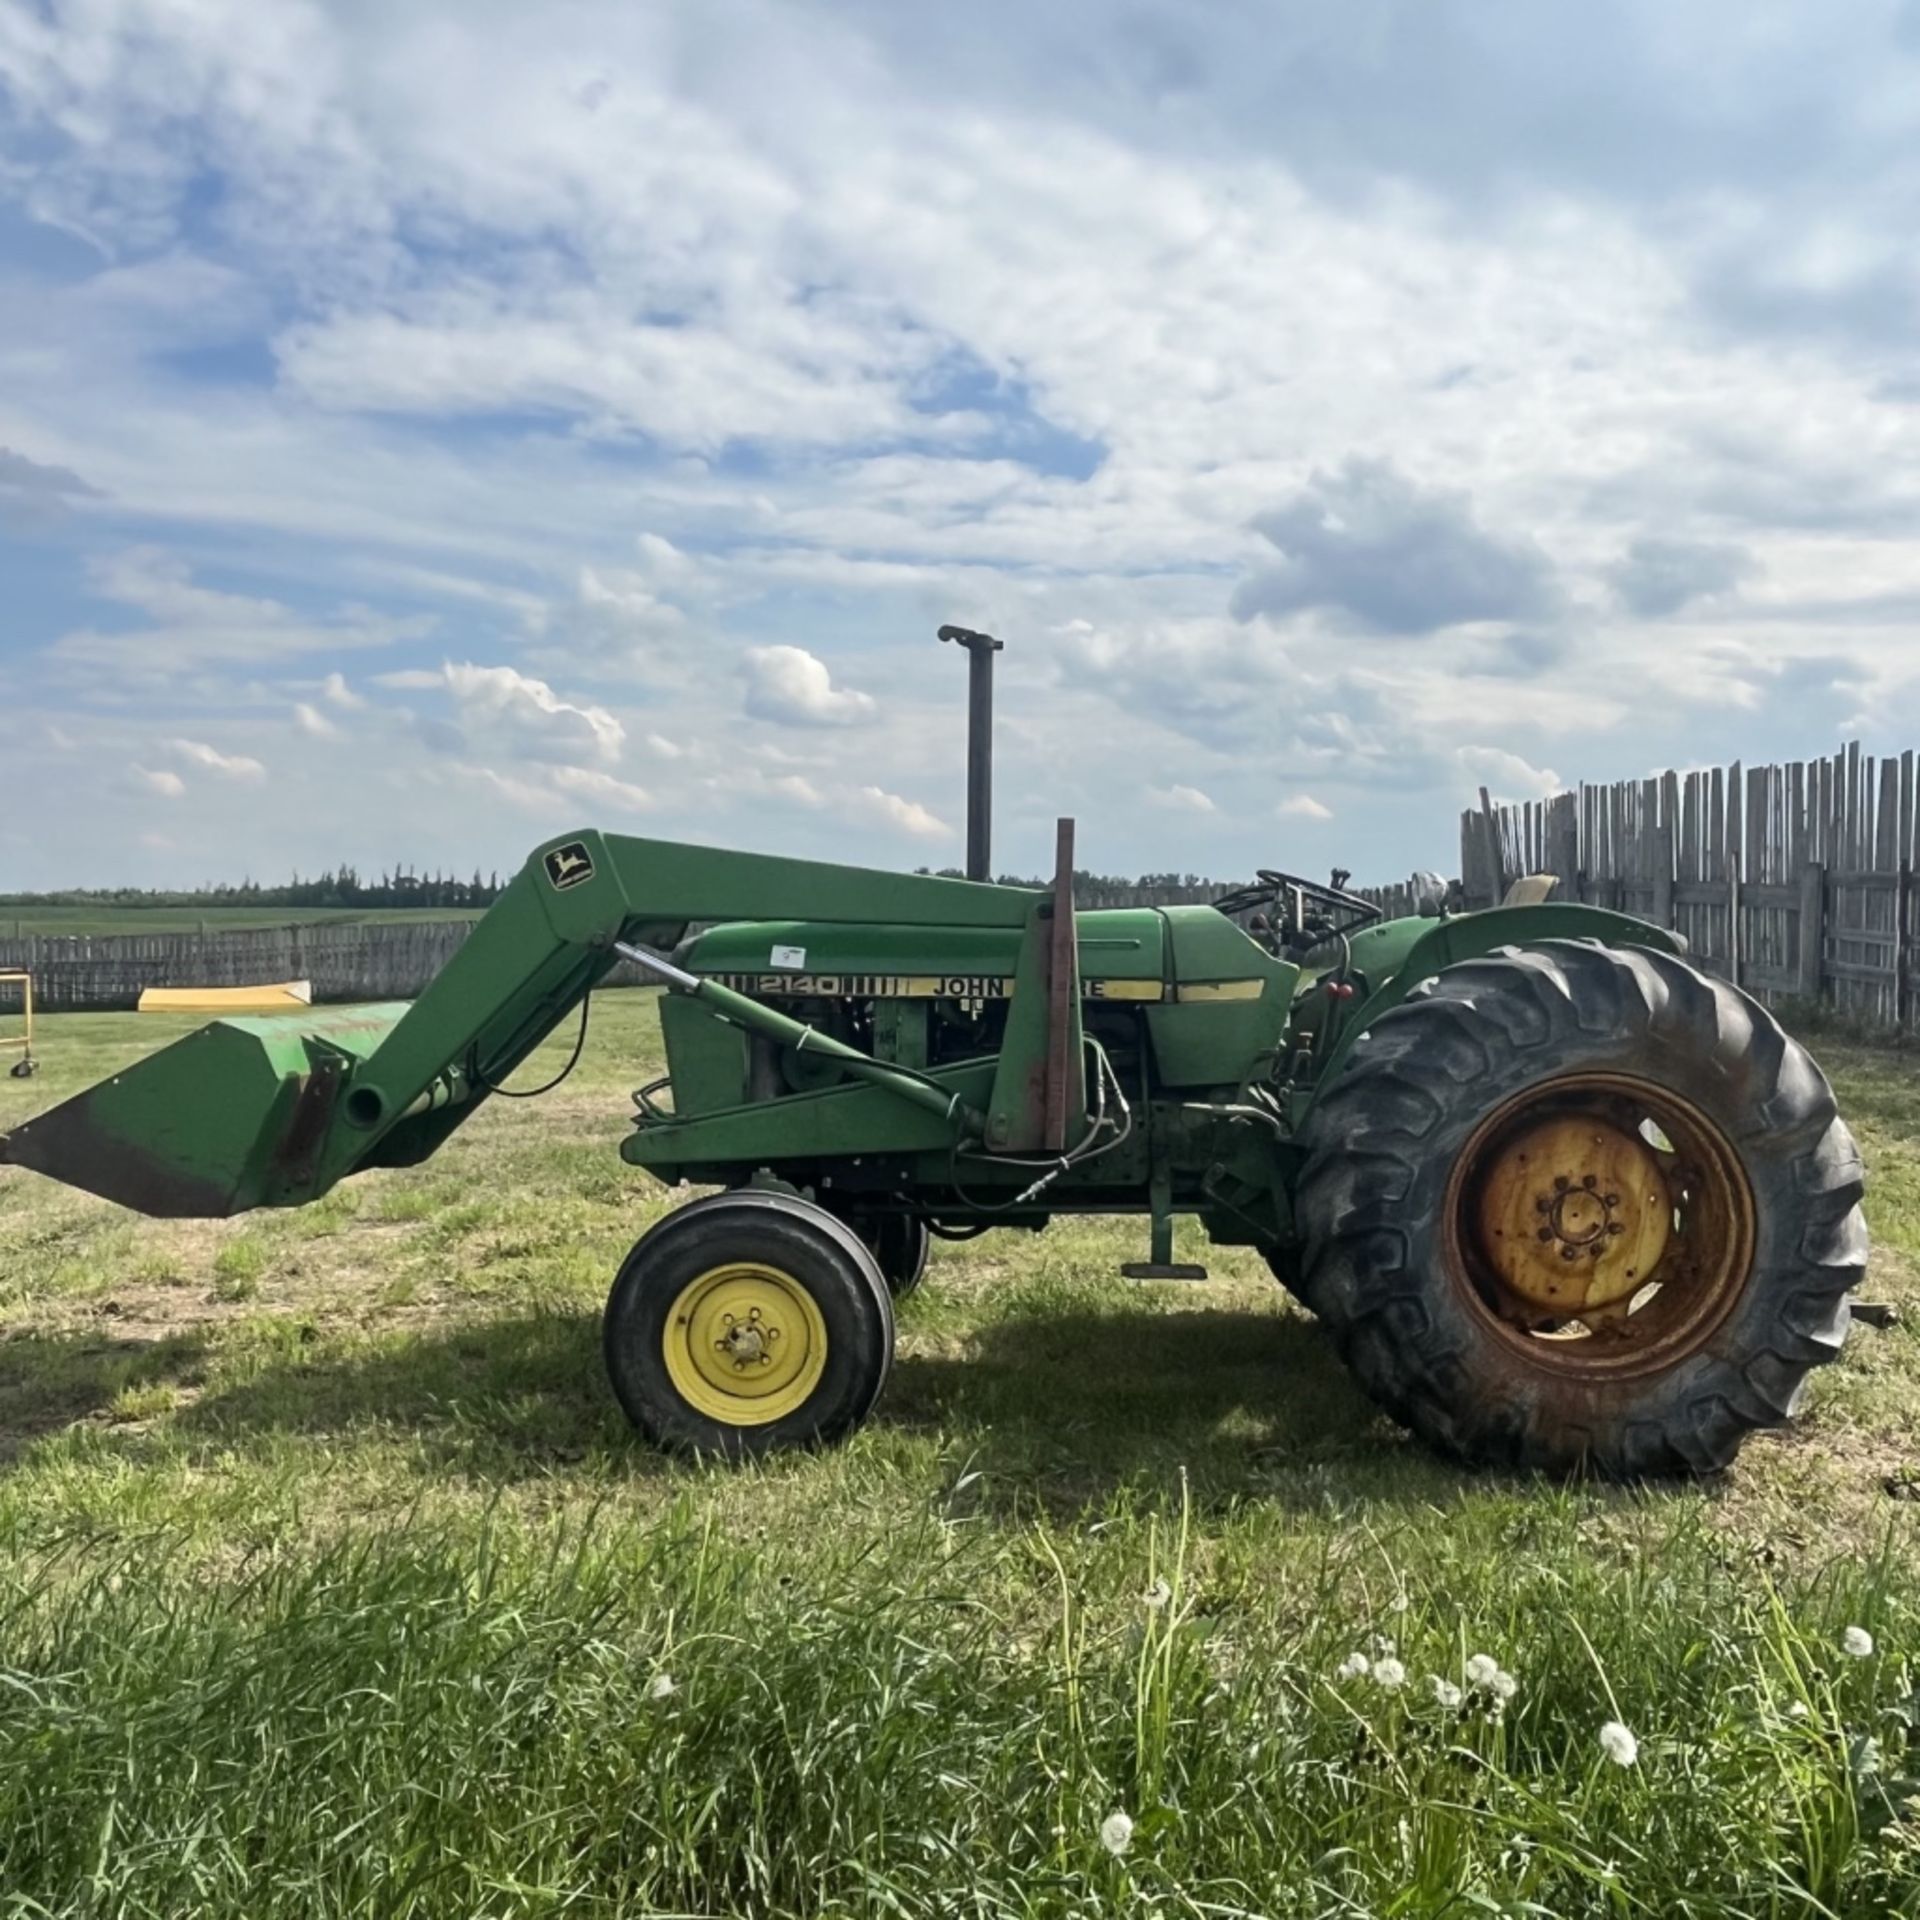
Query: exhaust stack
point(981, 647)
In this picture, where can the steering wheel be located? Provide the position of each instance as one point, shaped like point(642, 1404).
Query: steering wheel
point(1301, 912)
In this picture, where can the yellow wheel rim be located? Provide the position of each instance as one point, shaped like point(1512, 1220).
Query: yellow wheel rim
point(1602, 1222)
point(744, 1344)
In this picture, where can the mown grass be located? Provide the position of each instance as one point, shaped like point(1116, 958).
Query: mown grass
point(331, 1583)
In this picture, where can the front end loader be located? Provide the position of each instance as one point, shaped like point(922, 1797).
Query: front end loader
point(1561, 1200)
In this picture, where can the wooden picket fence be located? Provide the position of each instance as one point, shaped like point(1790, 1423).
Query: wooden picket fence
point(1794, 881)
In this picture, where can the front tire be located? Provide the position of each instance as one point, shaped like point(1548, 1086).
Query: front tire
point(899, 1242)
point(1577, 1207)
point(748, 1323)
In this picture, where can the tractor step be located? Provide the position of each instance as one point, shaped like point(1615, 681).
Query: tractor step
point(1162, 1270)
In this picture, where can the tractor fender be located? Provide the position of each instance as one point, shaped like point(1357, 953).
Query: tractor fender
point(1466, 936)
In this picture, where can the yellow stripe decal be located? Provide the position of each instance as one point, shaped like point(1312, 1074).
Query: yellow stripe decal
point(1209, 992)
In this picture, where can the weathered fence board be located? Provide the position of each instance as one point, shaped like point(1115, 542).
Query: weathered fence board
point(1797, 880)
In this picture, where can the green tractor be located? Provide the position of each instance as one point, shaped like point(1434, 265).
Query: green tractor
point(1561, 1200)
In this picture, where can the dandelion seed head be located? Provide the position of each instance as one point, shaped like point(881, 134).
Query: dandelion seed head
point(662, 1687)
point(1618, 1744)
point(1353, 1667)
point(1503, 1686)
point(1389, 1673)
point(1398, 1604)
point(1444, 1691)
point(1481, 1669)
point(1116, 1832)
point(1857, 1642)
point(1156, 1596)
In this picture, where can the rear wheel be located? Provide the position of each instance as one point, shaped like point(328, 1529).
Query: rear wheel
point(747, 1323)
point(1580, 1206)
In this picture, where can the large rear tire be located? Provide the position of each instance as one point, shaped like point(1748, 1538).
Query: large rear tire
point(748, 1323)
point(1579, 1207)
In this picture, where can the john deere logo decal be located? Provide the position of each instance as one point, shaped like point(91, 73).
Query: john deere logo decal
point(569, 865)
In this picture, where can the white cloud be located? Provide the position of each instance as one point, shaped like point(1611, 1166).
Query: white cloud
point(229, 766)
point(799, 789)
point(336, 690)
point(523, 795)
point(1184, 799)
point(161, 780)
point(1506, 775)
point(875, 807)
point(525, 710)
point(603, 789)
point(792, 687)
point(310, 720)
point(193, 625)
point(1303, 806)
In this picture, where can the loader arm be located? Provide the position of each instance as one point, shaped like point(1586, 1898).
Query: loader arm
point(273, 1111)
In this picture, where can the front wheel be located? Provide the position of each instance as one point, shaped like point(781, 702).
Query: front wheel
point(748, 1323)
point(1582, 1207)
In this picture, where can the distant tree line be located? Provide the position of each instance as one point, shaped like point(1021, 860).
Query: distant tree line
point(341, 887)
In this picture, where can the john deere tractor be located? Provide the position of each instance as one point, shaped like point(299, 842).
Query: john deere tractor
point(1559, 1199)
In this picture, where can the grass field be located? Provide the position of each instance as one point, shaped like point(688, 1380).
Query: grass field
point(332, 1583)
point(18, 921)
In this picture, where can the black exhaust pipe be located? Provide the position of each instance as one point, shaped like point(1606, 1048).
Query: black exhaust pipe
point(981, 647)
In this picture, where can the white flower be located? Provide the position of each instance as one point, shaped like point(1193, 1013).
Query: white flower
point(1503, 1686)
point(1481, 1670)
point(662, 1687)
point(1858, 1642)
point(1156, 1596)
point(1353, 1667)
point(1444, 1691)
point(1618, 1744)
point(1389, 1673)
point(1116, 1832)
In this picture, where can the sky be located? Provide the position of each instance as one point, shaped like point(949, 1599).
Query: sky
point(427, 428)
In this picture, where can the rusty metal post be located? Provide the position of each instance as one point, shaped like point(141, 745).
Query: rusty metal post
point(981, 647)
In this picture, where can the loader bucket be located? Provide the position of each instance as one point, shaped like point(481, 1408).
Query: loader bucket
point(233, 1116)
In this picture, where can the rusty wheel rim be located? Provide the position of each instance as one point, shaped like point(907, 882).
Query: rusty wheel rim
point(1601, 1224)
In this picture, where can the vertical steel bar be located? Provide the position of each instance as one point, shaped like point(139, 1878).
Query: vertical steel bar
point(981, 647)
point(1061, 957)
